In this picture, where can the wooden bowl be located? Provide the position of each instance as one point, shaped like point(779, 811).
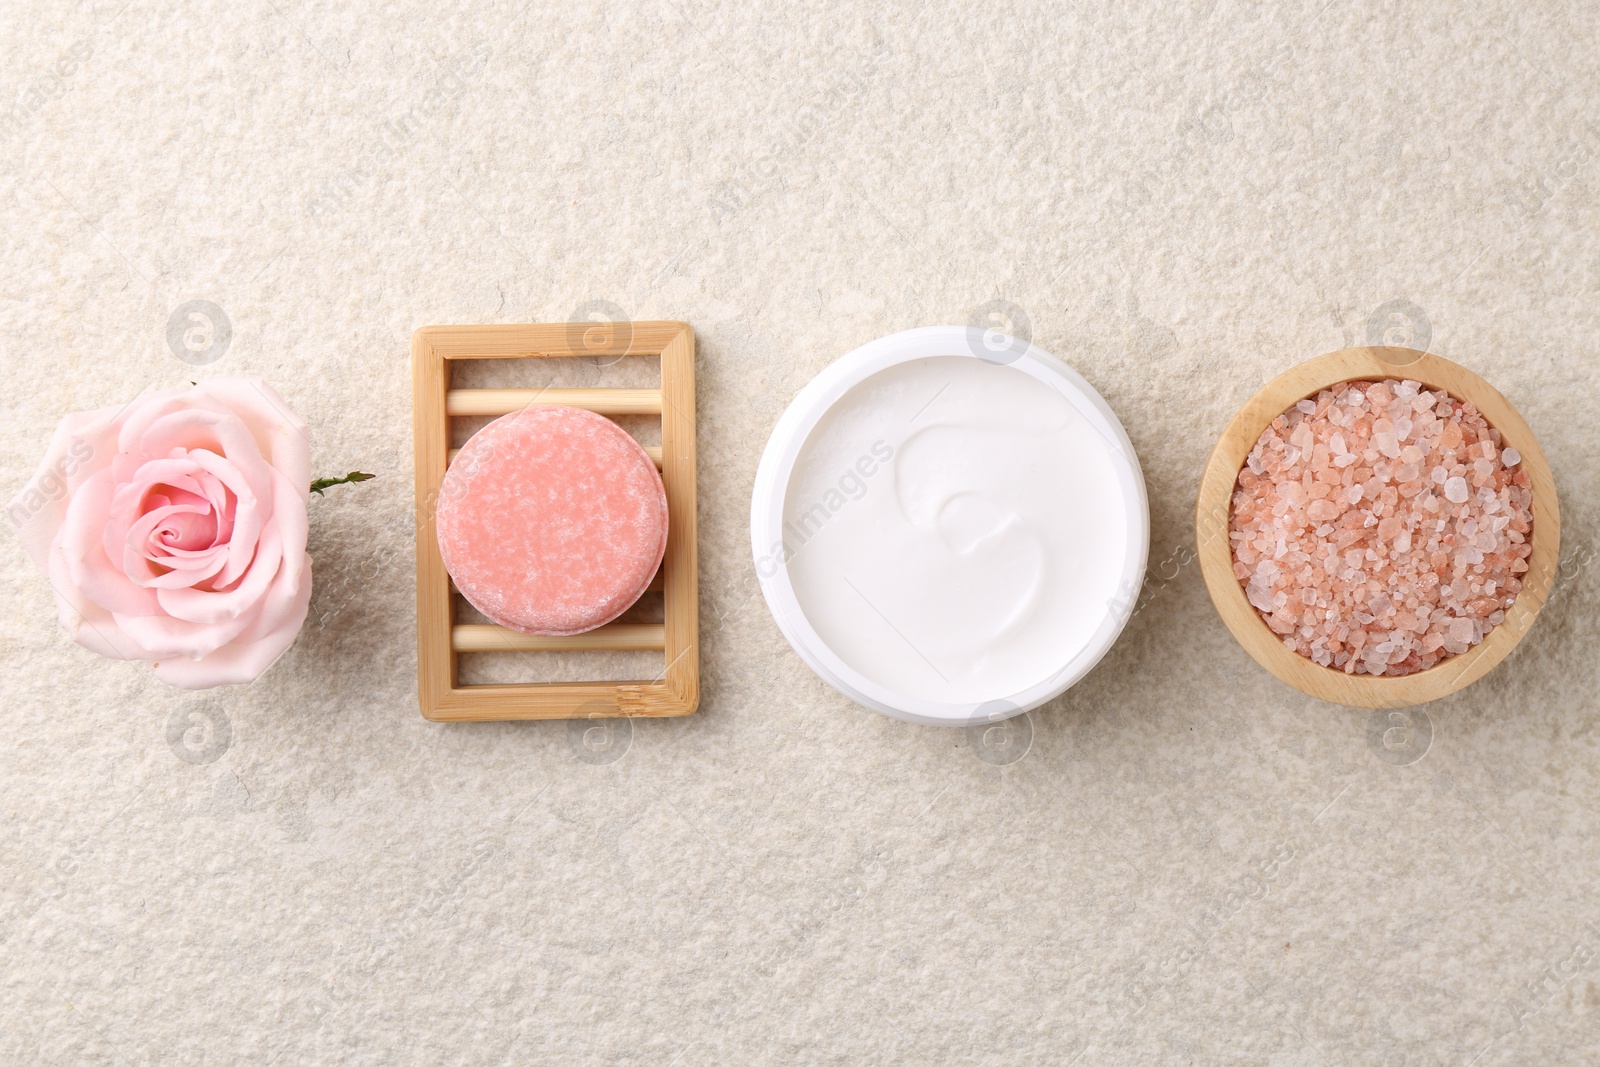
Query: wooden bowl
point(1213, 511)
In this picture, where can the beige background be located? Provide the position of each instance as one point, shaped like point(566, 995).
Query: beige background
point(1187, 863)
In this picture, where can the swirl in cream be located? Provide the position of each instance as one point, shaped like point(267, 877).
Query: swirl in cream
point(986, 550)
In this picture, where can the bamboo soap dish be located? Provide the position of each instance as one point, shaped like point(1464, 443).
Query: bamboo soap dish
point(441, 639)
point(1214, 507)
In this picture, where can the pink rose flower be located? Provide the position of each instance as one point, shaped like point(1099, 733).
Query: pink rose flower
point(173, 530)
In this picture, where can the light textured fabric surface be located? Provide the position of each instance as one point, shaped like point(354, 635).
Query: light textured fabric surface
point(1181, 860)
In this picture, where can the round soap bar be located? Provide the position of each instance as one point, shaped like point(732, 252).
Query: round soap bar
point(552, 520)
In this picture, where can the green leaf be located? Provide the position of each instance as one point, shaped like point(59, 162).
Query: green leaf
point(354, 476)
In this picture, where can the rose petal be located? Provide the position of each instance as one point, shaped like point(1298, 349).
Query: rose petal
point(283, 538)
point(289, 513)
point(137, 482)
point(195, 622)
point(86, 622)
point(141, 412)
point(248, 658)
point(201, 495)
point(216, 430)
point(247, 511)
point(179, 567)
point(134, 487)
point(223, 607)
point(279, 432)
point(81, 447)
point(88, 568)
point(187, 529)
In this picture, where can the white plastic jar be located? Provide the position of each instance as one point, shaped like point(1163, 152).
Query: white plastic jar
point(950, 526)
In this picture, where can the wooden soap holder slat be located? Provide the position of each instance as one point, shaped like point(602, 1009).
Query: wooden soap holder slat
point(653, 451)
point(441, 639)
point(612, 637)
point(468, 402)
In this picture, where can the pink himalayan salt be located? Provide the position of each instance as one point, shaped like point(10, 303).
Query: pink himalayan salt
point(552, 520)
point(1379, 527)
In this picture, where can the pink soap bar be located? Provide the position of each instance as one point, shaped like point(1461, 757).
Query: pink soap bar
point(552, 520)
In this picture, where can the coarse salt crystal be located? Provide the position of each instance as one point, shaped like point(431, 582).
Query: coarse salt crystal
point(1383, 575)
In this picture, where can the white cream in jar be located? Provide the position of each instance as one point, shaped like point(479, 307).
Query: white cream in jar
point(954, 538)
